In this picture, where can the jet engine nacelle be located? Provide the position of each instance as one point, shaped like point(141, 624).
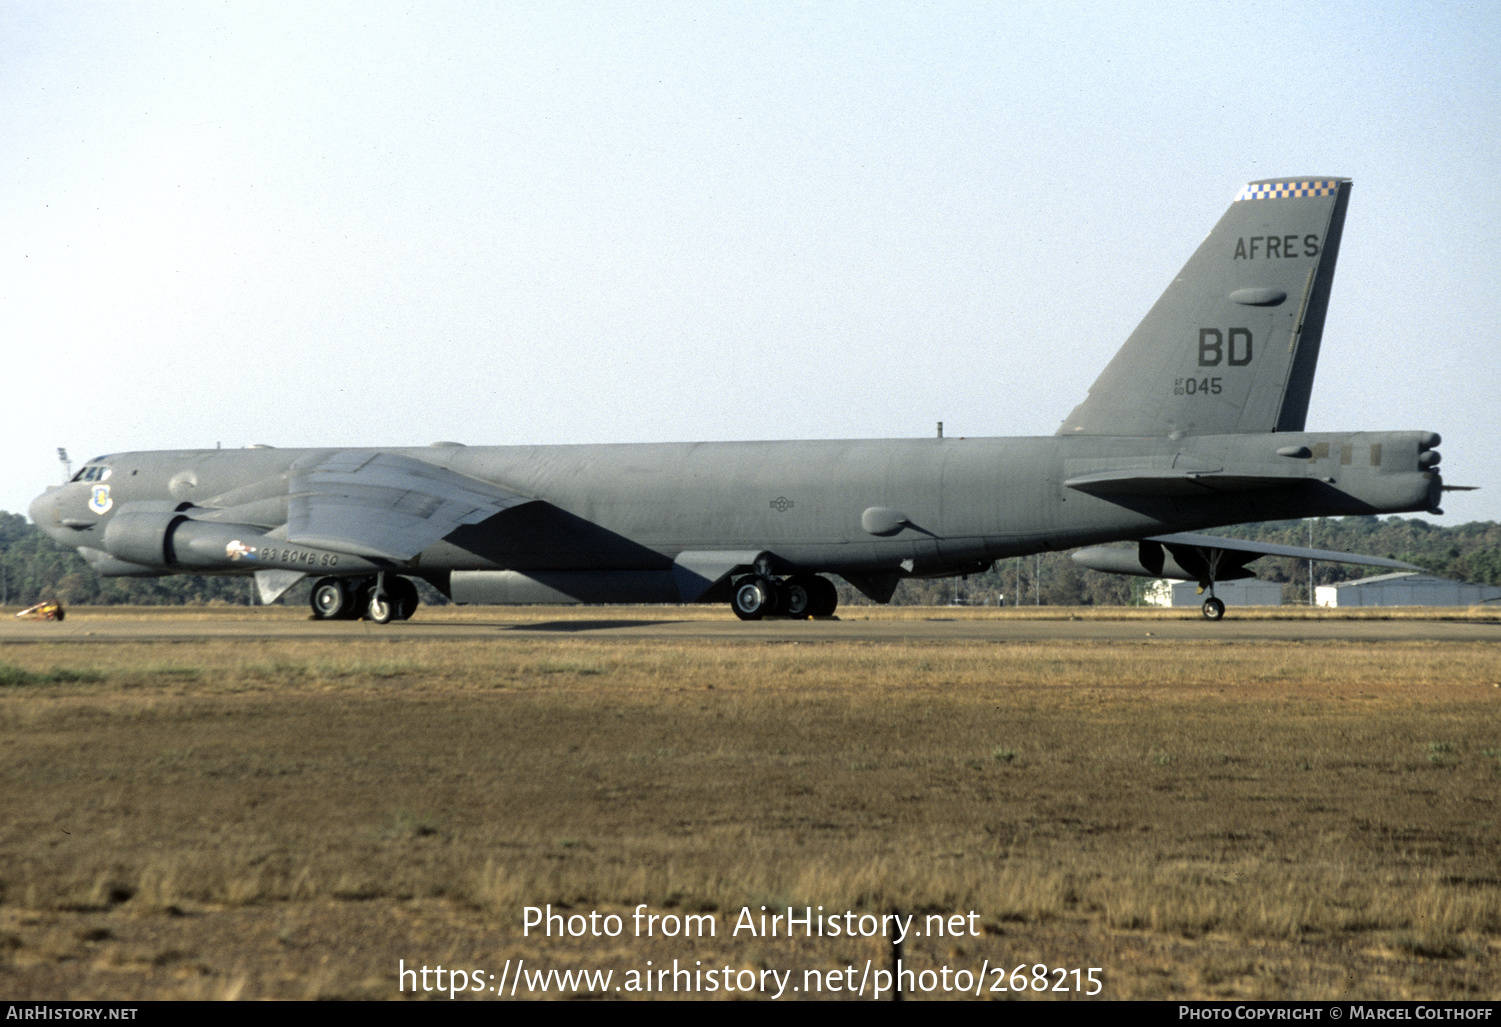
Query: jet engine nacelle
point(141, 533)
point(159, 534)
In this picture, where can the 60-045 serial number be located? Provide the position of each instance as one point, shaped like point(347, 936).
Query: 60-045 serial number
point(1198, 386)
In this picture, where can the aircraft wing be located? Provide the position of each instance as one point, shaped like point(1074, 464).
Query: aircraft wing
point(1236, 545)
point(385, 506)
point(1192, 557)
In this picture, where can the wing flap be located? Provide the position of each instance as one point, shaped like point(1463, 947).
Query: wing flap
point(385, 506)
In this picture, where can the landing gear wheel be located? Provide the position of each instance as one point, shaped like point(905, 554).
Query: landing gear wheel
point(1214, 609)
point(403, 596)
point(776, 597)
point(379, 608)
point(331, 600)
point(799, 592)
point(825, 597)
point(752, 598)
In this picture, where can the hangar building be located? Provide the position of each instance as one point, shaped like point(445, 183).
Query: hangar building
point(1406, 589)
point(1246, 592)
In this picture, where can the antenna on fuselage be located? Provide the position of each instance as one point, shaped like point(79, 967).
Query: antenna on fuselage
point(62, 454)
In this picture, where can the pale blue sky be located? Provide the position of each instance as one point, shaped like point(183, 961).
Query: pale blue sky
point(378, 224)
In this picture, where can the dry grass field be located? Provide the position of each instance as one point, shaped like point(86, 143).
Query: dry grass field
point(264, 817)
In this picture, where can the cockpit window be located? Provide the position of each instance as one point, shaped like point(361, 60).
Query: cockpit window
point(92, 474)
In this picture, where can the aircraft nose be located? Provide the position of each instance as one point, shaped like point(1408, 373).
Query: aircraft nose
point(43, 510)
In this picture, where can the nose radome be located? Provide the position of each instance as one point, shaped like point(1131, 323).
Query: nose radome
point(43, 511)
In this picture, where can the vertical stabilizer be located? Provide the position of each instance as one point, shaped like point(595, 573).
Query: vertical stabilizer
point(1231, 346)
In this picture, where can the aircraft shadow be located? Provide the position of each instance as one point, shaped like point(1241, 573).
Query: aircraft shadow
point(589, 625)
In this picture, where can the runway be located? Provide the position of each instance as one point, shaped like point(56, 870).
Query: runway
point(877, 626)
point(292, 802)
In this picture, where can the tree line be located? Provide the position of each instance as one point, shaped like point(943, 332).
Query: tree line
point(33, 567)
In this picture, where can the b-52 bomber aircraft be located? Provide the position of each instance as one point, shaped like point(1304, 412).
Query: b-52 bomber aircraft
point(1197, 421)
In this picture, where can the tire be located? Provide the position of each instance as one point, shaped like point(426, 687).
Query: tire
point(359, 595)
point(403, 594)
point(776, 597)
point(800, 592)
point(379, 609)
point(825, 597)
point(750, 599)
point(330, 599)
point(1214, 609)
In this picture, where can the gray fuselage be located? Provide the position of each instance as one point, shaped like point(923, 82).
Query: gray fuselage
point(963, 502)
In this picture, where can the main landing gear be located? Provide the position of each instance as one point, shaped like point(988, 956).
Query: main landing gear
point(380, 599)
point(799, 597)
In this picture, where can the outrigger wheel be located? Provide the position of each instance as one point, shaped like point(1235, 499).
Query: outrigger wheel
point(1214, 608)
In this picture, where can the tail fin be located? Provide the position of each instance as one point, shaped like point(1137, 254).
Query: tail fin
point(1232, 344)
